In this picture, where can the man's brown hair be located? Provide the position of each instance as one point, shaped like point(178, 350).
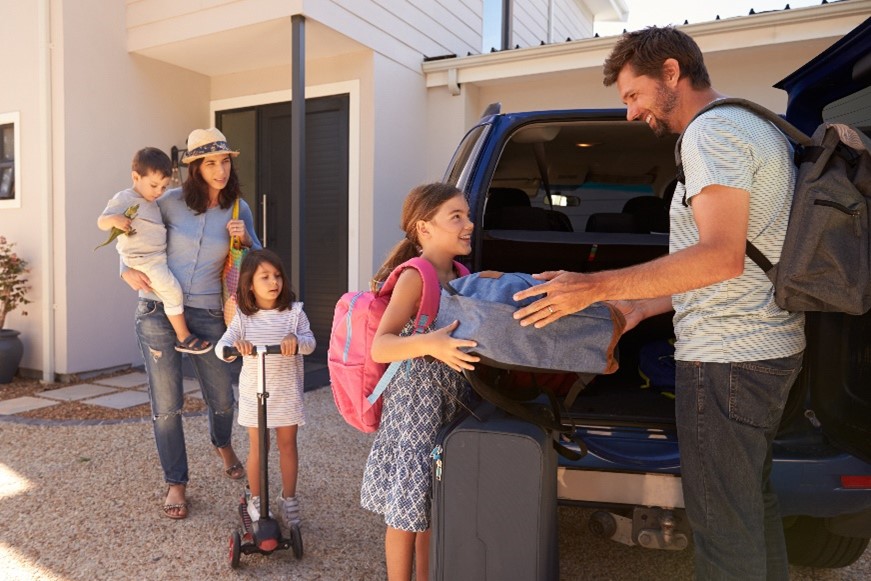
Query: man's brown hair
point(647, 50)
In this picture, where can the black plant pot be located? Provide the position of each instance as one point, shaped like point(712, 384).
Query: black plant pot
point(11, 350)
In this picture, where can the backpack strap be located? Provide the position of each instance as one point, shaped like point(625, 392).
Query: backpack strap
point(792, 132)
point(431, 294)
point(426, 314)
point(385, 380)
point(805, 152)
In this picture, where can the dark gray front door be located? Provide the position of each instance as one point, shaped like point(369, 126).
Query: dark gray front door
point(324, 237)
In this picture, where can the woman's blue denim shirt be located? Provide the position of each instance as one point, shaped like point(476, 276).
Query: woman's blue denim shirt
point(196, 247)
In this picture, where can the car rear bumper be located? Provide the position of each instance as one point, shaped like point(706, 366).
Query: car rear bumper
point(810, 486)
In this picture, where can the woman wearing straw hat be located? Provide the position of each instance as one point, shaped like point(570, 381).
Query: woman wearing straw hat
point(199, 224)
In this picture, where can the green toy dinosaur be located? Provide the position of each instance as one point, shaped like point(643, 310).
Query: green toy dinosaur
point(115, 232)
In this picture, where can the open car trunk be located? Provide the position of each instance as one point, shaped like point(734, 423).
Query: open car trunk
point(586, 196)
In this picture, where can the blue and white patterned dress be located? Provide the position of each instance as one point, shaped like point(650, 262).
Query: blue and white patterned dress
point(397, 481)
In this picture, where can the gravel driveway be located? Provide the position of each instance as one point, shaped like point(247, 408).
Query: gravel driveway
point(83, 502)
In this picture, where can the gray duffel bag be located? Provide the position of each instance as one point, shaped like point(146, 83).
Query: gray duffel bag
point(583, 342)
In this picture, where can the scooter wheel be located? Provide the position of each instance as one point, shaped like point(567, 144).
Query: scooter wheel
point(235, 550)
point(296, 541)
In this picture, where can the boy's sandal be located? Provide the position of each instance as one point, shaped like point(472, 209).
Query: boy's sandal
point(193, 345)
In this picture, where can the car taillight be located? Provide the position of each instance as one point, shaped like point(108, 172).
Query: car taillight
point(856, 481)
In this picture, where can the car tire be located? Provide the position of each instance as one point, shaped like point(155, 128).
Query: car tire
point(810, 544)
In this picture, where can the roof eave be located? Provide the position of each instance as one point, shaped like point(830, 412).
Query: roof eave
point(824, 21)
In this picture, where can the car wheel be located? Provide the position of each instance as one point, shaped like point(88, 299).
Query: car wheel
point(810, 544)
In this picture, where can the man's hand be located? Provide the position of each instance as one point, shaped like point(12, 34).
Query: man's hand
point(637, 310)
point(565, 293)
point(631, 312)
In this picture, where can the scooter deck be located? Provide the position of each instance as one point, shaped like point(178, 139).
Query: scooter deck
point(249, 541)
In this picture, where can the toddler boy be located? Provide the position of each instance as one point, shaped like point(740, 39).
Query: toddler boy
point(145, 249)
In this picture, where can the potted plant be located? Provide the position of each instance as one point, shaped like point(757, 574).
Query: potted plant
point(13, 292)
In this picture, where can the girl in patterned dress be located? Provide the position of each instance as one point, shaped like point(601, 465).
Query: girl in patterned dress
point(268, 314)
point(424, 395)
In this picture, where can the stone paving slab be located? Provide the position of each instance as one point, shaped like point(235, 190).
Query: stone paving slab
point(129, 380)
point(120, 400)
point(24, 404)
point(77, 392)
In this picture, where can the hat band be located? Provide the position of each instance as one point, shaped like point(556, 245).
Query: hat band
point(215, 146)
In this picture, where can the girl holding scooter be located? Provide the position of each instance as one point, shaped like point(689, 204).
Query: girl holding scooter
point(267, 314)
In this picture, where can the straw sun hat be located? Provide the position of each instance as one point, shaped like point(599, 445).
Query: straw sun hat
point(205, 142)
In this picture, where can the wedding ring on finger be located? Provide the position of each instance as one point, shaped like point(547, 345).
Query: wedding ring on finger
point(550, 309)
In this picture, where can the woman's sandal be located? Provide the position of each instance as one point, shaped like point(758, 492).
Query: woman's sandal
point(193, 345)
point(175, 511)
point(236, 471)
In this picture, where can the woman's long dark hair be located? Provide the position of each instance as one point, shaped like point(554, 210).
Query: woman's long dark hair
point(421, 203)
point(245, 298)
point(196, 190)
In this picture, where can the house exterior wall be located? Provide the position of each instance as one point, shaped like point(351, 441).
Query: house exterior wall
point(534, 24)
point(101, 114)
point(21, 28)
point(129, 102)
point(400, 133)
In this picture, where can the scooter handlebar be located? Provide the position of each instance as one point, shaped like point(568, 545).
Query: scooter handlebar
point(230, 351)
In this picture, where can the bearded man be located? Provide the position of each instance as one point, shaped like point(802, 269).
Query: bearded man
point(737, 352)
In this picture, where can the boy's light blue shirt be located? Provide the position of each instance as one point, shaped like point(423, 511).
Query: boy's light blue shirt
point(196, 247)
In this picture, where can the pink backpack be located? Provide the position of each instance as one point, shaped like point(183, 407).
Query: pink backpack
point(357, 381)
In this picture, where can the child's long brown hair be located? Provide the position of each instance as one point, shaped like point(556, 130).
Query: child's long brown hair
point(245, 298)
point(421, 203)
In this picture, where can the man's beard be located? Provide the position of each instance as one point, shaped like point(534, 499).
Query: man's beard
point(666, 103)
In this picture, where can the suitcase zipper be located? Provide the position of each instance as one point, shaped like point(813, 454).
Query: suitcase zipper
point(437, 458)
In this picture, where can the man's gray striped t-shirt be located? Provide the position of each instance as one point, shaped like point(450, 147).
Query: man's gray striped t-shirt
point(736, 320)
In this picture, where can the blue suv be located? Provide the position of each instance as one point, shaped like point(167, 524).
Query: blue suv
point(585, 190)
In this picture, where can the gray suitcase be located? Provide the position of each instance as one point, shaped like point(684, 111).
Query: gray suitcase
point(494, 512)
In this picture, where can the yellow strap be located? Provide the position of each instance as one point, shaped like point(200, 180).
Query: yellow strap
point(235, 241)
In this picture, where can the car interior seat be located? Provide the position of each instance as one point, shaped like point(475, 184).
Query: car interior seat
point(511, 209)
point(612, 222)
point(559, 221)
point(650, 212)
